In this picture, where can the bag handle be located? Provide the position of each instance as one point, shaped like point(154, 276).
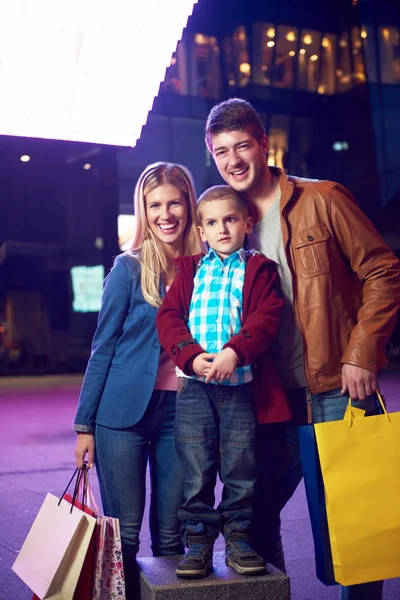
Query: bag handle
point(82, 481)
point(87, 492)
point(377, 392)
point(90, 496)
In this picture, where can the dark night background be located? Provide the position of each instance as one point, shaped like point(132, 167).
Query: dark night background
point(325, 78)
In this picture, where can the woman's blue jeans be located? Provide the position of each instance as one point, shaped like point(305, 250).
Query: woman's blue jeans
point(121, 462)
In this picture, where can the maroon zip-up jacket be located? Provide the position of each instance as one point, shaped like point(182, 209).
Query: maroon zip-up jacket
point(262, 306)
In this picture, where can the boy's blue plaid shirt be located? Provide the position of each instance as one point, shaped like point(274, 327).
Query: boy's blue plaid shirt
point(215, 312)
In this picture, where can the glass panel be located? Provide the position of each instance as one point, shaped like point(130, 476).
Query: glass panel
point(328, 60)
point(278, 140)
point(263, 51)
point(358, 57)
point(241, 54)
point(302, 147)
point(283, 67)
point(343, 71)
point(172, 81)
point(229, 62)
point(207, 80)
point(389, 48)
point(367, 36)
point(308, 60)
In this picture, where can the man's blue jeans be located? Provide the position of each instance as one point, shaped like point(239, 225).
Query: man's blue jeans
point(280, 471)
point(215, 431)
point(121, 462)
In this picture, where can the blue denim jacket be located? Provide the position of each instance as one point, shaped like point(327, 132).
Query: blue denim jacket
point(122, 368)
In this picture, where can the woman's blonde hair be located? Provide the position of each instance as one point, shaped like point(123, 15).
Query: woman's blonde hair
point(146, 246)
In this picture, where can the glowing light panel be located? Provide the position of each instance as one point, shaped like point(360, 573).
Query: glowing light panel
point(87, 285)
point(126, 231)
point(84, 71)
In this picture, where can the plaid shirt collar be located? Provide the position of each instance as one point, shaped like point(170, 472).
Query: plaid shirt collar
point(211, 255)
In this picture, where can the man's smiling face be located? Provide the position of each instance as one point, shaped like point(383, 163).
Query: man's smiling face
point(240, 159)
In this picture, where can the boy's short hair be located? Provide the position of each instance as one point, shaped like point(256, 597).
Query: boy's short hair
point(220, 192)
point(234, 114)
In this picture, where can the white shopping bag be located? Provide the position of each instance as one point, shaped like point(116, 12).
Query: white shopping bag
point(52, 556)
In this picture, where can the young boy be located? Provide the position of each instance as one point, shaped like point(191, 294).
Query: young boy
point(217, 322)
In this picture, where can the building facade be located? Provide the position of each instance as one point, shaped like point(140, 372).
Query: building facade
point(325, 79)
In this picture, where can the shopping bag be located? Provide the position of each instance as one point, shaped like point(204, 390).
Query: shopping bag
point(102, 575)
point(52, 556)
point(314, 487)
point(360, 465)
point(83, 590)
point(108, 576)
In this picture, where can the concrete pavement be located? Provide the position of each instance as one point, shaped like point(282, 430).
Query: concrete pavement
point(36, 457)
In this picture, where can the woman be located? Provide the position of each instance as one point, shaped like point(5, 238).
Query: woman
point(126, 408)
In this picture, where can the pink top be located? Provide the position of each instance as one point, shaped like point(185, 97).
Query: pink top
point(166, 376)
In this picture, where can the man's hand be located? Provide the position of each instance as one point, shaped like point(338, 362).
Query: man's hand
point(84, 445)
point(357, 382)
point(225, 362)
point(202, 363)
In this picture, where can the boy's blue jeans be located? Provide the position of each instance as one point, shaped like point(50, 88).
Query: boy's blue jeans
point(280, 471)
point(215, 432)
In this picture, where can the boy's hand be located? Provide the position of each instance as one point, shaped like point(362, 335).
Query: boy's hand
point(225, 362)
point(202, 363)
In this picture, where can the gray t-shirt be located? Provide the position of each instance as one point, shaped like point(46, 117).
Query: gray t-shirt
point(267, 237)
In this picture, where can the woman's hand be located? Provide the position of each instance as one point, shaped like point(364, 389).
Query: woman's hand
point(84, 445)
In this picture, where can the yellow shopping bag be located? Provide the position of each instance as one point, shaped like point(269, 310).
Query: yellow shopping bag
point(360, 464)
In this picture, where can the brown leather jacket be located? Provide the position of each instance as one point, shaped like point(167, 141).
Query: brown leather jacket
point(346, 281)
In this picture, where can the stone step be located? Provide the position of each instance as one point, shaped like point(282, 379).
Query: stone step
point(159, 582)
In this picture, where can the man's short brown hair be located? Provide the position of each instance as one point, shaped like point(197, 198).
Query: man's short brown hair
point(234, 114)
point(220, 192)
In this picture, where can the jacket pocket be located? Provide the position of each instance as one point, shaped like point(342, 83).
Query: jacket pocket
point(310, 249)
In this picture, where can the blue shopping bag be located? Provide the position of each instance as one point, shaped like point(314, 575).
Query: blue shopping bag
point(316, 504)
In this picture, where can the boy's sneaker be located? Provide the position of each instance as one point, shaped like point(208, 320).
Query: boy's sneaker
point(197, 562)
point(241, 556)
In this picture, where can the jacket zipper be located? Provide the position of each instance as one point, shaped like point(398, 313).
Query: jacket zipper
point(295, 310)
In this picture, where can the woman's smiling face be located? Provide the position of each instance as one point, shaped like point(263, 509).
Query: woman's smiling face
point(167, 215)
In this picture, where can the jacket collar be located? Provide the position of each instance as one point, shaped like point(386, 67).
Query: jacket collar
point(286, 186)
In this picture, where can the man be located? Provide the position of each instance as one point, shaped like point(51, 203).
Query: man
point(341, 286)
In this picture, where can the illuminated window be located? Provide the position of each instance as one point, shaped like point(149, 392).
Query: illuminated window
point(241, 55)
point(358, 56)
point(126, 231)
point(263, 52)
point(175, 76)
point(229, 65)
point(326, 84)
point(284, 60)
point(389, 49)
point(207, 75)
point(369, 52)
point(87, 286)
point(302, 147)
point(309, 60)
point(343, 66)
point(278, 140)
